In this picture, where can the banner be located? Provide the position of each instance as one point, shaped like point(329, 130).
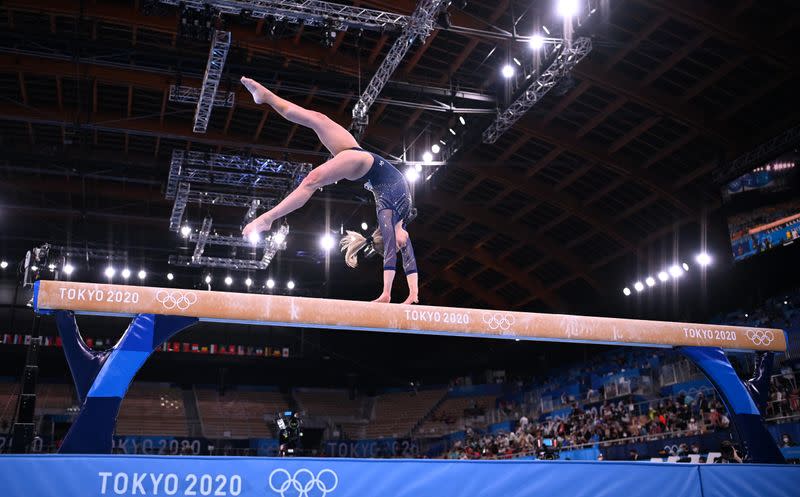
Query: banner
point(382, 447)
point(90, 476)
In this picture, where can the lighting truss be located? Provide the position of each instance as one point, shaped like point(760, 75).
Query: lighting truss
point(561, 67)
point(202, 238)
point(759, 155)
point(191, 95)
point(272, 245)
point(419, 27)
point(220, 44)
point(308, 12)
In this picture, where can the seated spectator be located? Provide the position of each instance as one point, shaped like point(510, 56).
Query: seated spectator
point(786, 441)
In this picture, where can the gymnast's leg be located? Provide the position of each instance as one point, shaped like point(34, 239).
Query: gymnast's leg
point(409, 263)
point(334, 137)
point(350, 164)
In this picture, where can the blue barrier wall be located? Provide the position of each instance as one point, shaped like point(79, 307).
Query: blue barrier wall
point(75, 475)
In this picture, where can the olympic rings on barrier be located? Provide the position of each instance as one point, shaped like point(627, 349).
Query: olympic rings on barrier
point(498, 321)
point(302, 489)
point(760, 337)
point(176, 299)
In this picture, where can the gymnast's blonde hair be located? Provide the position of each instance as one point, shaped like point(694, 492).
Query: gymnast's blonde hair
point(353, 242)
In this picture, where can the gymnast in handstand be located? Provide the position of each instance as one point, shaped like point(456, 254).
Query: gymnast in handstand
point(351, 162)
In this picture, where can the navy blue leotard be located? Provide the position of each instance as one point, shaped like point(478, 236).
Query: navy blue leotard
point(392, 205)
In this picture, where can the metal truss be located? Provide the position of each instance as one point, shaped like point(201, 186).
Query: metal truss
point(759, 155)
point(273, 244)
point(217, 262)
point(555, 73)
point(179, 207)
point(308, 12)
point(190, 95)
point(220, 44)
point(202, 238)
point(419, 27)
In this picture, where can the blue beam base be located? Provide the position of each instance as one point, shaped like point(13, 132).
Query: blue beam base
point(102, 378)
point(746, 418)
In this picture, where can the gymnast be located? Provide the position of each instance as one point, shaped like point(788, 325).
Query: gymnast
point(351, 162)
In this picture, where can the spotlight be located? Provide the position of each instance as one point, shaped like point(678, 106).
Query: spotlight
point(685, 267)
point(703, 259)
point(427, 157)
point(327, 242)
point(418, 168)
point(412, 174)
point(567, 8)
point(507, 71)
point(126, 273)
point(462, 120)
point(185, 231)
point(34, 268)
point(663, 276)
point(638, 286)
point(68, 269)
point(452, 132)
point(170, 276)
point(3, 264)
point(142, 274)
point(278, 238)
point(51, 267)
point(364, 226)
point(537, 42)
point(248, 282)
point(254, 238)
point(208, 279)
point(650, 281)
point(110, 272)
point(517, 62)
point(270, 283)
point(435, 148)
point(290, 285)
point(675, 271)
point(626, 291)
point(228, 280)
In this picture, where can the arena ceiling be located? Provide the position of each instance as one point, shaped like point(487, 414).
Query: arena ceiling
point(594, 176)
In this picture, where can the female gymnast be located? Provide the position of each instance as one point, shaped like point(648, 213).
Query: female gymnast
point(387, 184)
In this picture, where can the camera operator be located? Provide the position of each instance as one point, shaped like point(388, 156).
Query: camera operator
point(729, 453)
point(290, 433)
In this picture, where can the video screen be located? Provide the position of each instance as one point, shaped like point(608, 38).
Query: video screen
point(763, 207)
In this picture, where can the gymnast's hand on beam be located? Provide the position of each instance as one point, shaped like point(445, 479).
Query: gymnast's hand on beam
point(257, 225)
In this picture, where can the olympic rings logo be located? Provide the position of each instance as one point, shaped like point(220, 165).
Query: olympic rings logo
point(498, 321)
point(760, 337)
point(671, 449)
point(303, 481)
point(176, 300)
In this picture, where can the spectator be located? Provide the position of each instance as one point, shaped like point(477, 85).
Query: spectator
point(633, 455)
point(786, 440)
point(729, 454)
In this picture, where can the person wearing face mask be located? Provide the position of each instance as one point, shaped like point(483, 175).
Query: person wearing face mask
point(786, 441)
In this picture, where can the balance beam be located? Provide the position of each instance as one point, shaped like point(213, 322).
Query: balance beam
point(130, 301)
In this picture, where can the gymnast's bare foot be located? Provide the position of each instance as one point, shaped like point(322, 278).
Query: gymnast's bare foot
point(259, 92)
point(412, 299)
point(385, 298)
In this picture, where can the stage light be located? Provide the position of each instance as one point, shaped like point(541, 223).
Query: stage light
point(663, 276)
point(536, 42)
point(208, 279)
point(626, 291)
point(68, 269)
point(248, 282)
point(412, 174)
point(126, 273)
point(747, 315)
point(427, 157)
point(544, 28)
point(278, 238)
point(110, 272)
point(638, 286)
point(452, 132)
point(51, 267)
point(685, 267)
point(185, 231)
point(3, 264)
point(567, 8)
point(675, 271)
point(327, 242)
point(507, 71)
point(228, 280)
point(435, 148)
point(650, 281)
point(462, 120)
point(364, 226)
point(170, 276)
point(254, 238)
point(290, 285)
point(270, 283)
point(34, 268)
point(703, 259)
point(142, 274)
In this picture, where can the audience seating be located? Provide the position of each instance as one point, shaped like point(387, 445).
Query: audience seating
point(152, 409)
point(397, 413)
point(238, 414)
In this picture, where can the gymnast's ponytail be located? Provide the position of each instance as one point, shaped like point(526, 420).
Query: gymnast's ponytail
point(353, 242)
